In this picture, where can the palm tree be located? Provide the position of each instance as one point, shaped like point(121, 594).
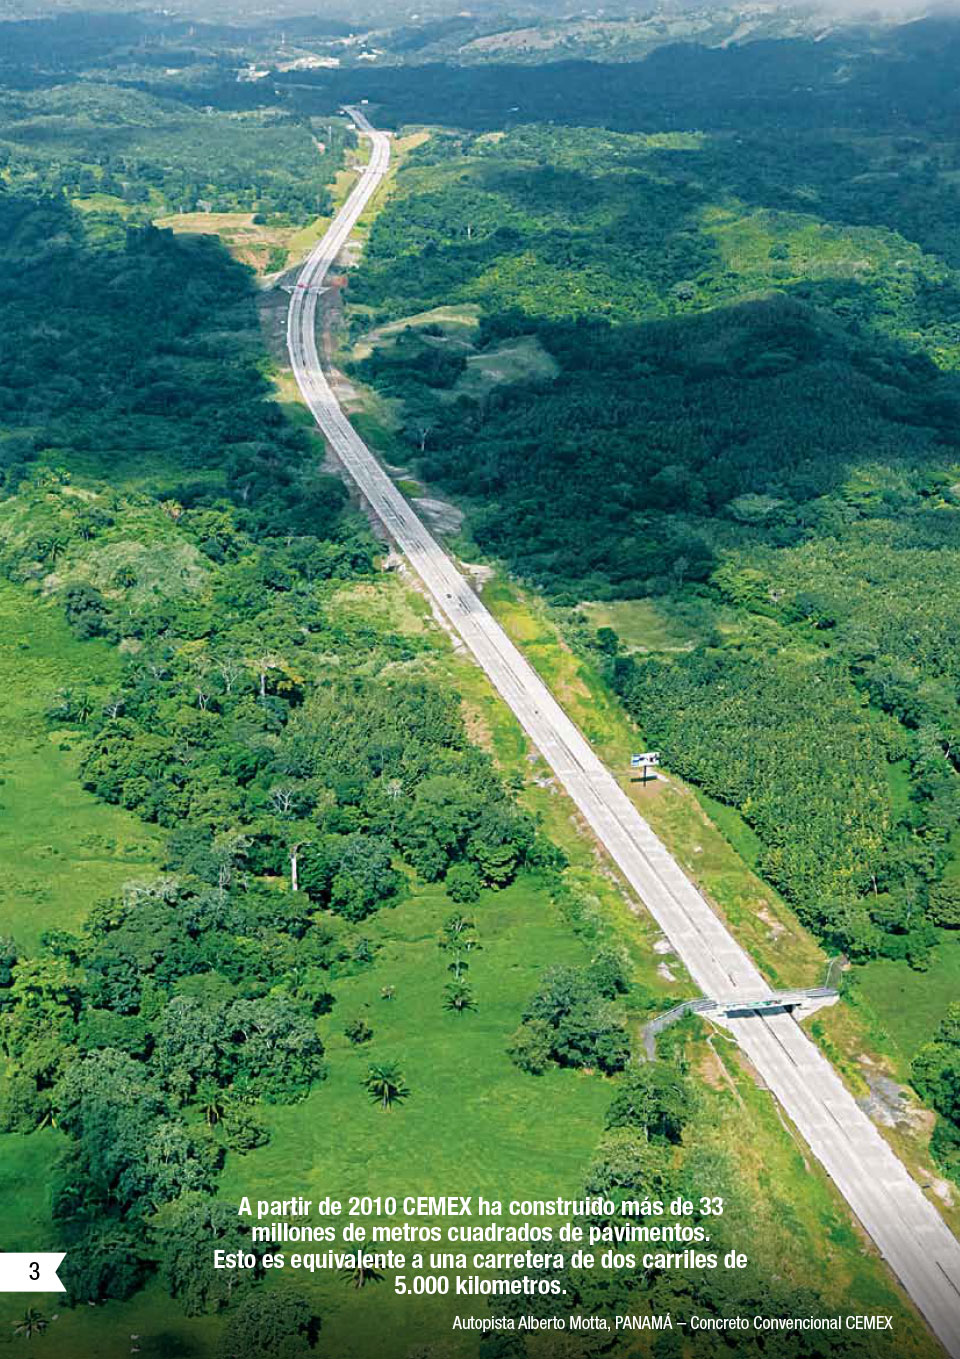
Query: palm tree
point(33, 1323)
point(394, 791)
point(455, 927)
point(385, 1084)
point(361, 1275)
point(210, 1099)
point(458, 997)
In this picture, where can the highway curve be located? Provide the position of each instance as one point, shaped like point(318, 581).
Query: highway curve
point(907, 1229)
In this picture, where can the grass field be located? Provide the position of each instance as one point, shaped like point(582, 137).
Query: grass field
point(458, 322)
point(521, 360)
point(910, 1004)
point(263, 248)
point(641, 624)
point(472, 1124)
point(60, 849)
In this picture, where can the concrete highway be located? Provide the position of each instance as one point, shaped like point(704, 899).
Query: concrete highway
point(906, 1228)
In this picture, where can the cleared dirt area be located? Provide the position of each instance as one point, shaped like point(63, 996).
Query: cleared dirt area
point(263, 248)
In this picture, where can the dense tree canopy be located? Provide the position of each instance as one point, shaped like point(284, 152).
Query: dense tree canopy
point(675, 375)
point(302, 769)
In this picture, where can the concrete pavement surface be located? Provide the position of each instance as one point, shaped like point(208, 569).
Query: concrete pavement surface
point(906, 1228)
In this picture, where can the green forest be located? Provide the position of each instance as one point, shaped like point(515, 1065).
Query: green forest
point(897, 79)
point(308, 775)
point(123, 155)
point(294, 906)
point(745, 410)
point(301, 769)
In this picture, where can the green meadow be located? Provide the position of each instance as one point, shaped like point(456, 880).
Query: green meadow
point(60, 849)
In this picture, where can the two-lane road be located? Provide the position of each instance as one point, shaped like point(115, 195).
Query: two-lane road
point(906, 1228)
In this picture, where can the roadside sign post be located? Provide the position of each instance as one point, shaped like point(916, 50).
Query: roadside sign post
point(645, 762)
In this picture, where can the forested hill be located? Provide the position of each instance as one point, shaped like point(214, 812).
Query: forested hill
point(727, 364)
point(900, 79)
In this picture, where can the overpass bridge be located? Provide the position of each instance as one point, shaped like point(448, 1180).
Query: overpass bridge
point(800, 1002)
